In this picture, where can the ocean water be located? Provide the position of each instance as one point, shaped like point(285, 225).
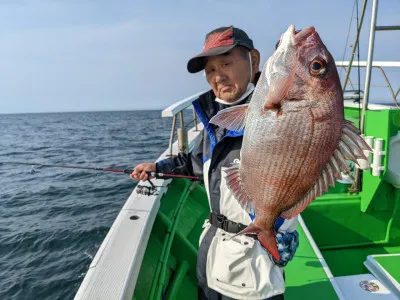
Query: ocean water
point(53, 220)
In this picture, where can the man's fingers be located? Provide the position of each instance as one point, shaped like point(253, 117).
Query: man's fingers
point(141, 171)
point(143, 176)
point(134, 175)
point(140, 175)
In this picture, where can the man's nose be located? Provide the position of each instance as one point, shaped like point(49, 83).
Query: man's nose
point(220, 77)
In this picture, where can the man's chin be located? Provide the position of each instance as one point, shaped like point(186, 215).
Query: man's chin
point(228, 97)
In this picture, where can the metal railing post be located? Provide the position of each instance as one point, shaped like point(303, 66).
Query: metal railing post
point(356, 186)
point(369, 63)
point(183, 144)
point(171, 137)
point(195, 120)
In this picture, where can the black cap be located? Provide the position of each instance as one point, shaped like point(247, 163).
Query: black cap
point(217, 42)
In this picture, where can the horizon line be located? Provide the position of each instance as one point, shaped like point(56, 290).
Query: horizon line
point(77, 111)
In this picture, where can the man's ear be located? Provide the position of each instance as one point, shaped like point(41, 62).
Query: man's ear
point(255, 60)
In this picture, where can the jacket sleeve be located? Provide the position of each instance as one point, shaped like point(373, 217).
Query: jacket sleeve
point(185, 163)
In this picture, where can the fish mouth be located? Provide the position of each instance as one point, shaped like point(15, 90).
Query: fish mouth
point(303, 34)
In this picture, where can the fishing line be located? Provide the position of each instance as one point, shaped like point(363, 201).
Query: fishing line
point(347, 39)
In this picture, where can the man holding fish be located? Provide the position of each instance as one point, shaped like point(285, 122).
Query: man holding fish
point(264, 160)
point(239, 267)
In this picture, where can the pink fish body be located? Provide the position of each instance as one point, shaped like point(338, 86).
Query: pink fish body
point(296, 140)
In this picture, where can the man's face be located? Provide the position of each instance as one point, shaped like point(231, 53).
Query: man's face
point(228, 74)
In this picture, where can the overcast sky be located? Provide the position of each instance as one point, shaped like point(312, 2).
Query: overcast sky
point(76, 55)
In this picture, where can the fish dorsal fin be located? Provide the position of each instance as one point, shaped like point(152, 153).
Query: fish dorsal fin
point(351, 147)
point(234, 183)
point(232, 118)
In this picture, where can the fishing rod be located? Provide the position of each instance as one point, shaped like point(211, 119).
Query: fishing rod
point(126, 171)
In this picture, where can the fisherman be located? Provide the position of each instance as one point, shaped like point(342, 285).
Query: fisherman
point(239, 267)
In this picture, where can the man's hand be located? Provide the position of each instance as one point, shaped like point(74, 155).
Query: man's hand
point(141, 171)
point(287, 243)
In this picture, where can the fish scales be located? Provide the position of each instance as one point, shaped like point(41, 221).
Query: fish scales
point(283, 165)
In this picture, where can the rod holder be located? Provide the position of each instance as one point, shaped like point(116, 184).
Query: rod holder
point(362, 164)
point(377, 166)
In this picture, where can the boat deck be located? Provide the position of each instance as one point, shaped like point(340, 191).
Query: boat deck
point(305, 275)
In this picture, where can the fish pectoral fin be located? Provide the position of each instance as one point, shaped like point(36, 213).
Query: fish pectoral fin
point(232, 118)
point(234, 183)
point(278, 91)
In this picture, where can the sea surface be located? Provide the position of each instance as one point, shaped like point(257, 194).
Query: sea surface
point(53, 220)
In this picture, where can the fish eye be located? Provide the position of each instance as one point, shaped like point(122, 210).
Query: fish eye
point(317, 67)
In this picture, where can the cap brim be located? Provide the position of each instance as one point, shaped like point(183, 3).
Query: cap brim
point(196, 63)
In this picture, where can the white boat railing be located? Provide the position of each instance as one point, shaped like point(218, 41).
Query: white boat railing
point(173, 111)
point(177, 107)
point(375, 64)
point(364, 63)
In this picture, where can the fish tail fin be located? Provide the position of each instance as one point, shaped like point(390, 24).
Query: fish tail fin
point(268, 241)
point(266, 238)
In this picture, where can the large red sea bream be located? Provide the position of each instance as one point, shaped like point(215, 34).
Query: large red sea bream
point(296, 139)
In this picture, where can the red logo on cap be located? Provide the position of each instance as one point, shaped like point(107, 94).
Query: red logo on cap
point(219, 39)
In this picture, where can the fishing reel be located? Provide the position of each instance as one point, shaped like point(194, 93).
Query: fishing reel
point(147, 190)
